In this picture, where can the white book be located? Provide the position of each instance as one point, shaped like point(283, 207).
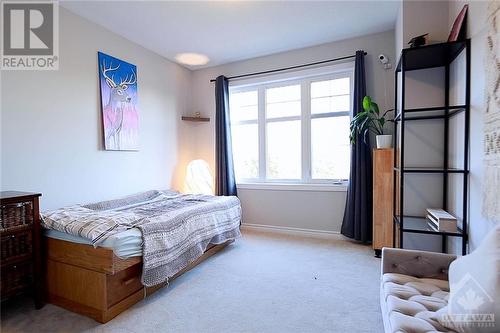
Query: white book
point(440, 221)
point(440, 214)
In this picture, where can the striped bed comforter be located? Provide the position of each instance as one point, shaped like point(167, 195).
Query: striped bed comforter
point(176, 228)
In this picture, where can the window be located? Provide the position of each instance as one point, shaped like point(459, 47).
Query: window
point(292, 131)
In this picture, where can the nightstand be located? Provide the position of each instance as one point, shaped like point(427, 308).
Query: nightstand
point(21, 246)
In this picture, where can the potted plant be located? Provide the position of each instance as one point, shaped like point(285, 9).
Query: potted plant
point(368, 121)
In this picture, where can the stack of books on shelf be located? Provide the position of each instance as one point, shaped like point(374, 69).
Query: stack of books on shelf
point(441, 220)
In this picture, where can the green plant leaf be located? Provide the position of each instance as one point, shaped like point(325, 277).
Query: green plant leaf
point(353, 135)
point(367, 102)
point(365, 123)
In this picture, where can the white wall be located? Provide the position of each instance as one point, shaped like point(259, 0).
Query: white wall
point(55, 146)
point(398, 32)
point(297, 209)
point(421, 17)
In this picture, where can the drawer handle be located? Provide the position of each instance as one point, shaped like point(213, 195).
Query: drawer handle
point(129, 281)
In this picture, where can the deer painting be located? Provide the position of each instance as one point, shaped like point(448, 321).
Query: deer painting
point(118, 81)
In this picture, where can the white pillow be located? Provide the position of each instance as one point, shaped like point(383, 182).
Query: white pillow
point(474, 301)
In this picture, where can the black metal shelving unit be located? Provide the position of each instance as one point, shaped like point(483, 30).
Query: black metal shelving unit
point(430, 56)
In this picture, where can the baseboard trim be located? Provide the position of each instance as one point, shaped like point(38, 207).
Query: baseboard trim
point(293, 231)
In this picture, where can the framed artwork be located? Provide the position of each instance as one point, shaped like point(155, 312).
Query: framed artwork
point(458, 30)
point(120, 114)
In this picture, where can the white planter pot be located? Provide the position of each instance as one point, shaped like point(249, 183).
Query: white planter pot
point(384, 141)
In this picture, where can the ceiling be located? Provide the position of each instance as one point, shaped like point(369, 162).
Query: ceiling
point(228, 31)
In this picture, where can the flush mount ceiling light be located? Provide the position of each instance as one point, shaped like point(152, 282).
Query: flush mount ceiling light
point(192, 59)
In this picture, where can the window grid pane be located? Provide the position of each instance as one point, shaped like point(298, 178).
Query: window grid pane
point(283, 94)
point(243, 106)
point(329, 88)
point(245, 141)
point(330, 148)
point(283, 101)
point(339, 103)
point(284, 150)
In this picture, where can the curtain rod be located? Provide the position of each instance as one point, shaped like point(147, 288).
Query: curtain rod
point(288, 68)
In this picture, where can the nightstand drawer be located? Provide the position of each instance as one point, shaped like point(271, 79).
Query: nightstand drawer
point(16, 278)
point(16, 244)
point(15, 214)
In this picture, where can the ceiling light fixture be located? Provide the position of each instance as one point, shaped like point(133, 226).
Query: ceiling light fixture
point(192, 59)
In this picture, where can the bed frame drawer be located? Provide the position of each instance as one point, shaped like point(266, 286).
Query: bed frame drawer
point(96, 283)
point(123, 284)
point(94, 294)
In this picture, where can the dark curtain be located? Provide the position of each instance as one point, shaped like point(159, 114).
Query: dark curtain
point(357, 223)
point(225, 183)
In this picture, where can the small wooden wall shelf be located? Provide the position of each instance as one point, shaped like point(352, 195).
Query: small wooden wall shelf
point(199, 119)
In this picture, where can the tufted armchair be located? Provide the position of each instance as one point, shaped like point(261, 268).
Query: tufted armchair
point(414, 288)
point(433, 292)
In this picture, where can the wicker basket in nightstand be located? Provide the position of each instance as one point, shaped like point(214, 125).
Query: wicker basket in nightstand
point(20, 245)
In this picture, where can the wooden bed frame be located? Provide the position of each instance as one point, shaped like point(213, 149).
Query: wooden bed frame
point(96, 283)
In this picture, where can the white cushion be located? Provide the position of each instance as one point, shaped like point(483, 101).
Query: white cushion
point(412, 303)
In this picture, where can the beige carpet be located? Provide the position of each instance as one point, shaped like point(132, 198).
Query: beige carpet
point(262, 283)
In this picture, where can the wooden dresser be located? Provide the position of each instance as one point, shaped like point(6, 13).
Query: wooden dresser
point(21, 252)
point(383, 183)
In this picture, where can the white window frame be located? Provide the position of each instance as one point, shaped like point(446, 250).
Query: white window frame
point(304, 78)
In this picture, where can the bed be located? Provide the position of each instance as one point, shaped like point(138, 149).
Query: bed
point(104, 257)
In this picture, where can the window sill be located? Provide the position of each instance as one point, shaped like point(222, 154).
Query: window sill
point(293, 187)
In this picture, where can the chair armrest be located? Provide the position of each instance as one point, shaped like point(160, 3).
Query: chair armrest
point(420, 264)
